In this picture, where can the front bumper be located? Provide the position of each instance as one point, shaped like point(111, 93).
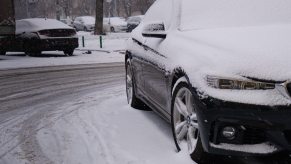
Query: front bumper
point(60, 44)
point(259, 129)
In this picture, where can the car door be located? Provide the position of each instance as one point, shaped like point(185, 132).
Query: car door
point(138, 63)
point(154, 73)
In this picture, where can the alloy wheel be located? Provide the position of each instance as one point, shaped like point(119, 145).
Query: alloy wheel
point(185, 119)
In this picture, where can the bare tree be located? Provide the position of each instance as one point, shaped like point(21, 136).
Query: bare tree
point(127, 4)
point(99, 17)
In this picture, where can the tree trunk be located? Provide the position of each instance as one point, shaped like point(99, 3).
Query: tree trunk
point(99, 18)
point(118, 7)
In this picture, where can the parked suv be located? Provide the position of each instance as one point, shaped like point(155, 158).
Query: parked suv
point(39, 34)
point(218, 71)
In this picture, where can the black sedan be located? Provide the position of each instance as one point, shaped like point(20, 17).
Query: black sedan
point(219, 73)
point(36, 35)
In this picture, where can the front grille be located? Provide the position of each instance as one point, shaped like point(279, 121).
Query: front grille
point(288, 87)
point(253, 136)
point(58, 32)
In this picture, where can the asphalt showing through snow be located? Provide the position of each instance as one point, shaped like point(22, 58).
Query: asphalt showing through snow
point(29, 96)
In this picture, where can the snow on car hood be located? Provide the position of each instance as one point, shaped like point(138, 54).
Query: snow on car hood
point(258, 52)
point(37, 24)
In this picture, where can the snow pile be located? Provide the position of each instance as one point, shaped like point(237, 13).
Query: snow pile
point(37, 24)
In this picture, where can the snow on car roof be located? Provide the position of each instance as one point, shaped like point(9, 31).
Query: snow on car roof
point(202, 14)
point(88, 19)
point(37, 24)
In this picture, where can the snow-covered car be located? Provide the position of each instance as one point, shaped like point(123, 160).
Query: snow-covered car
point(114, 24)
point(218, 71)
point(38, 34)
point(84, 23)
point(133, 22)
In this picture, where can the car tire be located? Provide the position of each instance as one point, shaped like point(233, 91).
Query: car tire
point(132, 99)
point(2, 52)
point(184, 123)
point(69, 52)
point(112, 29)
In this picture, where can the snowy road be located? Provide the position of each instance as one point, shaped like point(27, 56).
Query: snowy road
point(79, 115)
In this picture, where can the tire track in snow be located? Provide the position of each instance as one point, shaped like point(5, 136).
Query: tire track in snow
point(21, 116)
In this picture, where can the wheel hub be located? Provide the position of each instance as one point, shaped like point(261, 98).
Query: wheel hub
point(188, 120)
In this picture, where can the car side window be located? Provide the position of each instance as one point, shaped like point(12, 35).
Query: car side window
point(160, 11)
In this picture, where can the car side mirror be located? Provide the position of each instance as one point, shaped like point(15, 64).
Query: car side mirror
point(154, 30)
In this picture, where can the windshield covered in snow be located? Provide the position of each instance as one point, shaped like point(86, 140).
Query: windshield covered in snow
point(205, 14)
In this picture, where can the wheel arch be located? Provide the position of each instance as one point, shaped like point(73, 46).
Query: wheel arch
point(178, 73)
point(127, 56)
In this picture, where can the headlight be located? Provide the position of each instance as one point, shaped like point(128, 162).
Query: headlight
point(225, 83)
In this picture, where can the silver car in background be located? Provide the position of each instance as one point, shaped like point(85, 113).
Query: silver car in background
point(84, 23)
point(114, 24)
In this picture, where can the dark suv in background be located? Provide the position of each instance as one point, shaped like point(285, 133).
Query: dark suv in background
point(38, 34)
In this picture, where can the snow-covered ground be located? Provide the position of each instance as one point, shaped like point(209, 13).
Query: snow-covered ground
point(113, 44)
point(105, 130)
